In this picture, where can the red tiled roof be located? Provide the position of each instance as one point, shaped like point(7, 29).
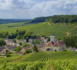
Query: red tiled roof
point(49, 44)
point(11, 47)
point(41, 45)
point(19, 52)
point(42, 38)
point(56, 44)
point(59, 44)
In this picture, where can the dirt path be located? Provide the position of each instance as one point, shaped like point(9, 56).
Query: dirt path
point(51, 68)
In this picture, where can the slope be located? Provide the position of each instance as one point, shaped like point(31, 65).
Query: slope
point(41, 28)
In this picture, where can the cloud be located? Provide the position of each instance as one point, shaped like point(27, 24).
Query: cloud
point(37, 8)
point(5, 4)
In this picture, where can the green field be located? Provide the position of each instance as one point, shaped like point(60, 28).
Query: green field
point(64, 60)
point(41, 28)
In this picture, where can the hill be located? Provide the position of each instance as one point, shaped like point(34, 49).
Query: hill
point(5, 21)
point(39, 20)
point(55, 19)
point(41, 61)
point(42, 28)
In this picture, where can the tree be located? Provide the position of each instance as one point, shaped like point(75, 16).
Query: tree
point(18, 49)
point(2, 42)
point(25, 45)
point(14, 40)
point(35, 48)
point(28, 51)
point(71, 41)
point(20, 43)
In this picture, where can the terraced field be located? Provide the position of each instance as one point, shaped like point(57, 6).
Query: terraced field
point(65, 60)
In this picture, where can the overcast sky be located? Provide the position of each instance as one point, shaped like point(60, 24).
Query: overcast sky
point(29, 9)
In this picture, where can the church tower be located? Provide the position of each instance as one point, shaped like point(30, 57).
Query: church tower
point(52, 38)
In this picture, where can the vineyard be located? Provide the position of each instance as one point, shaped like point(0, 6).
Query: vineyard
point(42, 28)
point(64, 60)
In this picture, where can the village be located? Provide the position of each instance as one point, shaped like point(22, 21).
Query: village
point(45, 45)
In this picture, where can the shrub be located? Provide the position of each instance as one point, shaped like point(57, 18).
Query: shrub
point(20, 43)
point(28, 51)
point(8, 54)
point(35, 48)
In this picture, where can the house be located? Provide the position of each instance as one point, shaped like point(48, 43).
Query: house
point(20, 53)
point(25, 48)
point(30, 40)
point(42, 47)
point(59, 46)
point(55, 44)
point(23, 41)
point(3, 50)
point(73, 49)
point(52, 45)
point(43, 39)
point(9, 42)
point(11, 48)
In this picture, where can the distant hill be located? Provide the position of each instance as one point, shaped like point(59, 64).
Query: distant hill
point(5, 21)
point(39, 20)
point(50, 19)
point(55, 19)
point(63, 19)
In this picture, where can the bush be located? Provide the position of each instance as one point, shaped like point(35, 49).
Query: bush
point(25, 45)
point(35, 48)
point(66, 50)
point(8, 54)
point(28, 51)
point(20, 43)
point(18, 49)
point(2, 42)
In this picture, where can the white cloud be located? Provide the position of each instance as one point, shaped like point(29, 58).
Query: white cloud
point(31, 8)
point(5, 4)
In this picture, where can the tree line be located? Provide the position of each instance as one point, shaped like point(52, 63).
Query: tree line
point(55, 19)
point(71, 41)
point(63, 19)
point(19, 34)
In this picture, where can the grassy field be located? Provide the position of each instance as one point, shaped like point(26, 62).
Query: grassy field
point(64, 60)
point(41, 28)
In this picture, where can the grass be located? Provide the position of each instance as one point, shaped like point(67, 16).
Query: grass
point(41, 28)
point(64, 60)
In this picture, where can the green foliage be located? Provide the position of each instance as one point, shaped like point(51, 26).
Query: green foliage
point(39, 20)
point(2, 42)
point(25, 44)
point(36, 42)
point(28, 51)
point(38, 29)
point(18, 49)
point(35, 48)
point(71, 41)
point(15, 40)
point(41, 61)
point(63, 19)
point(20, 43)
point(8, 54)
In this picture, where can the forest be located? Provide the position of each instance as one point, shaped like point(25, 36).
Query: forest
point(56, 19)
point(63, 19)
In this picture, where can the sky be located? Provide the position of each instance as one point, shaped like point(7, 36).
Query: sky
point(29, 9)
